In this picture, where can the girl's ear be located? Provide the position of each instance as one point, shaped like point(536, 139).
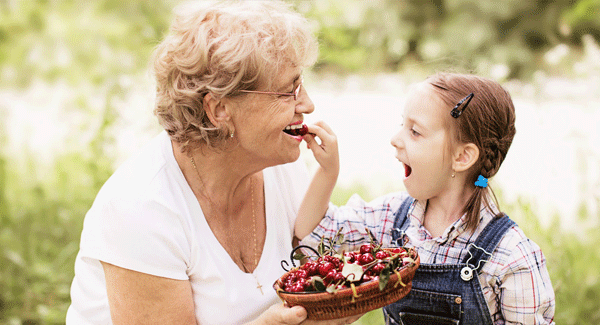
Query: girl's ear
point(216, 110)
point(466, 155)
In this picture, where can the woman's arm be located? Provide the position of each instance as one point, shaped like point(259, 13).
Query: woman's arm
point(136, 298)
point(316, 200)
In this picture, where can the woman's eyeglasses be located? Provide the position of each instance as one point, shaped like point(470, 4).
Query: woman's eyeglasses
point(294, 92)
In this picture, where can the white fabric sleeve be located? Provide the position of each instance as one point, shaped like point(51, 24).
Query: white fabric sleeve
point(144, 237)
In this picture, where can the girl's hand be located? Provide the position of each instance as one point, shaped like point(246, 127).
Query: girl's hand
point(326, 153)
point(281, 314)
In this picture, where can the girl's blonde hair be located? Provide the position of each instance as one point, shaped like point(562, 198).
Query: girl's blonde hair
point(221, 48)
point(488, 122)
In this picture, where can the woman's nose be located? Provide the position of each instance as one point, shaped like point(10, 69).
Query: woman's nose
point(304, 104)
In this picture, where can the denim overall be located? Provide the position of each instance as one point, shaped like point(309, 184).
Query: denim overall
point(447, 293)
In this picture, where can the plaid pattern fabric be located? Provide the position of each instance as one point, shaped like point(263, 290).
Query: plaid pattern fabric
point(514, 280)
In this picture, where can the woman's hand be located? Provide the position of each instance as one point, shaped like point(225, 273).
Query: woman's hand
point(282, 314)
point(326, 153)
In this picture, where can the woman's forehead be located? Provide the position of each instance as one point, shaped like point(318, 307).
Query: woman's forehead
point(284, 77)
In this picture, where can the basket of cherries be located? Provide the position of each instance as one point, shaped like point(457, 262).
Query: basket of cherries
point(332, 284)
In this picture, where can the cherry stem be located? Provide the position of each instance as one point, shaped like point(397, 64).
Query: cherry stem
point(292, 256)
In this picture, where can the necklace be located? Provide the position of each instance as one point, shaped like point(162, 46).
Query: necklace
point(246, 268)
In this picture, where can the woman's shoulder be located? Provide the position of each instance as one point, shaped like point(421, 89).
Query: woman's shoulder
point(135, 175)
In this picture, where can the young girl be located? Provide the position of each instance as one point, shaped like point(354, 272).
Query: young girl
point(477, 265)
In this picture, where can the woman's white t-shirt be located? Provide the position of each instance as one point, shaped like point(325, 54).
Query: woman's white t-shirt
point(147, 219)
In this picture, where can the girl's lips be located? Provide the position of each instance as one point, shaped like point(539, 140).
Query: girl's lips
point(407, 170)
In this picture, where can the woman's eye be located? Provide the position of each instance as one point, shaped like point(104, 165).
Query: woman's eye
point(413, 132)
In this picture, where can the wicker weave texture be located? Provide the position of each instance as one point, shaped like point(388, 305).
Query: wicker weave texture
point(323, 305)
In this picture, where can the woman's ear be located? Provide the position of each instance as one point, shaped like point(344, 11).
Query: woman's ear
point(215, 109)
point(466, 155)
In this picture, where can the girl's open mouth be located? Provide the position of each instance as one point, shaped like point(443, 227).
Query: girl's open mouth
point(407, 170)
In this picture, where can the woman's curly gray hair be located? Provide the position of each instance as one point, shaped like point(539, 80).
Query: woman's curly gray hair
point(221, 48)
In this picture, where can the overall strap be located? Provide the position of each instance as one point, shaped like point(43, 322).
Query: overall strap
point(488, 240)
point(401, 220)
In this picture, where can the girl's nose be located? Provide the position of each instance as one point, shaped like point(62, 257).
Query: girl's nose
point(396, 140)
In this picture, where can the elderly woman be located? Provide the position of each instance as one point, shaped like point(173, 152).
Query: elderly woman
point(192, 229)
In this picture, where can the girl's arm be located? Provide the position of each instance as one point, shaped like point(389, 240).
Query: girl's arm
point(316, 200)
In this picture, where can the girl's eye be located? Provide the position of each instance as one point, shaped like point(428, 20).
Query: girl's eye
point(413, 132)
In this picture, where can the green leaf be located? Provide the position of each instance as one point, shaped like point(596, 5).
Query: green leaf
point(318, 283)
point(299, 256)
point(384, 277)
point(321, 248)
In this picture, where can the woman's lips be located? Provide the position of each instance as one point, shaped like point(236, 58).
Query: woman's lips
point(296, 129)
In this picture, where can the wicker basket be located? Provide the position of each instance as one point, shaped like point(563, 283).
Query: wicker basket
point(324, 305)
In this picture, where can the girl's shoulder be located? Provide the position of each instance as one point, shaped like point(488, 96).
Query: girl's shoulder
point(516, 251)
point(393, 199)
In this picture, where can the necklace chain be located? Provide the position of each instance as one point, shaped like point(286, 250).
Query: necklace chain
point(259, 286)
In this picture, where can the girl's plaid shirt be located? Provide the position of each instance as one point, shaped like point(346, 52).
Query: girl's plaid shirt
point(515, 280)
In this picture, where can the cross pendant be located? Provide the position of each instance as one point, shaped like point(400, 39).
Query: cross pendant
point(258, 285)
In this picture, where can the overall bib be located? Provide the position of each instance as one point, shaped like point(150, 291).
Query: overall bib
point(447, 293)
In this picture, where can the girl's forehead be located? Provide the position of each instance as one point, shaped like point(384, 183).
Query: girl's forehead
point(424, 101)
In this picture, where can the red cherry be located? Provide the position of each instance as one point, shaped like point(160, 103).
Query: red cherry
point(377, 268)
point(351, 256)
point(380, 255)
point(301, 274)
point(312, 269)
point(297, 288)
point(303, 130)
point(292, 277)
point(324, 268)
point(365, 258)
point(330, 277)
point(302, 282)
point(366, 248)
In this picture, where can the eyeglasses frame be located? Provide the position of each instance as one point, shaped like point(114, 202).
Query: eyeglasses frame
point(294, 92)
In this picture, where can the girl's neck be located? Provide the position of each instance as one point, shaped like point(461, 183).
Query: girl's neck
point(443, 211)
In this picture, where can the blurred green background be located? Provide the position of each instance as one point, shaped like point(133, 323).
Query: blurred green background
point(76, 99)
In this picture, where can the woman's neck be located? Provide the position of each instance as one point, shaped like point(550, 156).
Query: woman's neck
point(217, 177)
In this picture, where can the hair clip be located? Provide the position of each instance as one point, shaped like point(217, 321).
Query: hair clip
point(455, 112)
point(481, 181)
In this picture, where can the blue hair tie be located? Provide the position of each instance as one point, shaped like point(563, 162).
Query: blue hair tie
point(481, 181)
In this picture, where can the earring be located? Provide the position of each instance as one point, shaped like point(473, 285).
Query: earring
point(452, 175)
point(231, 134)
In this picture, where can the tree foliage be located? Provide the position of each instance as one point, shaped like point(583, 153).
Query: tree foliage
point(91, 44)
